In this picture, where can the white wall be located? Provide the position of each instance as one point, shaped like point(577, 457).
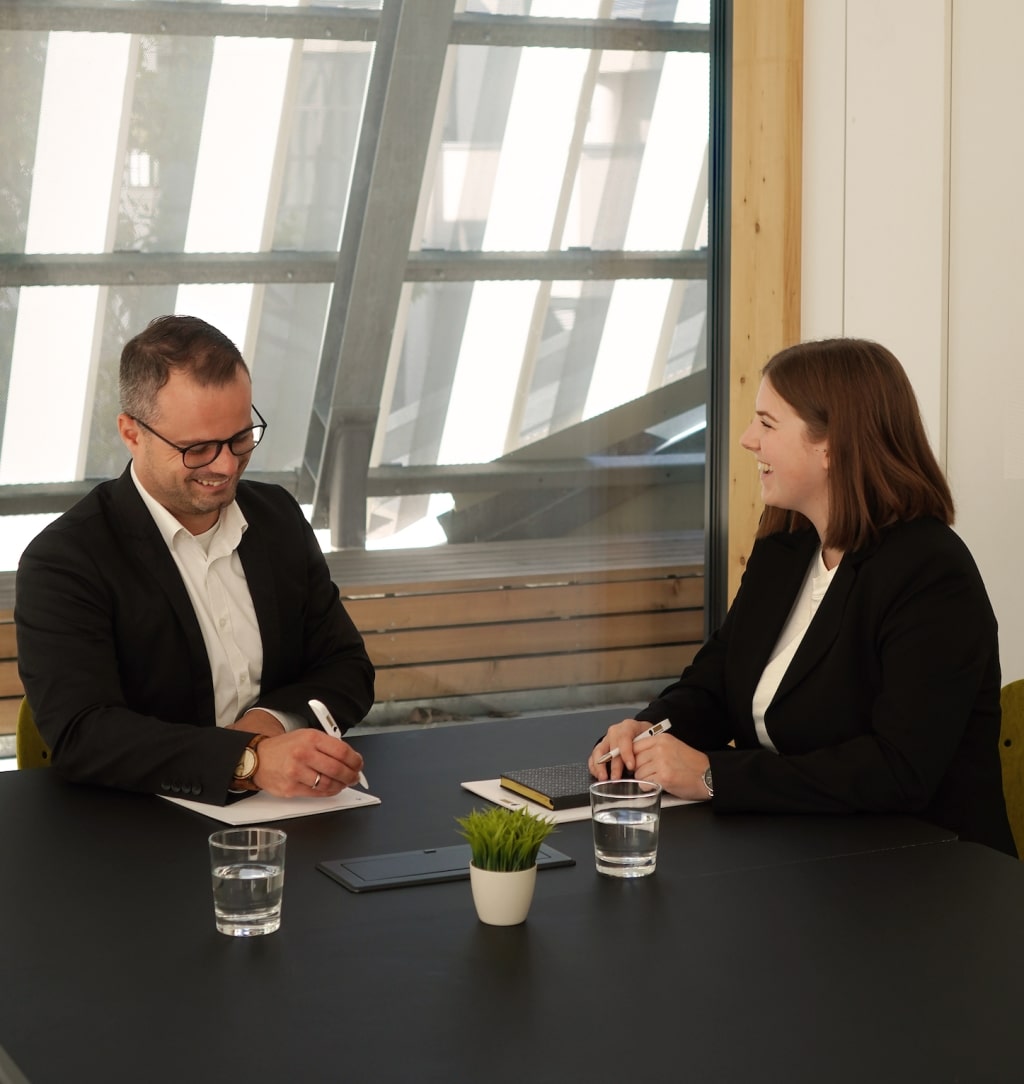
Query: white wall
point(912, 236)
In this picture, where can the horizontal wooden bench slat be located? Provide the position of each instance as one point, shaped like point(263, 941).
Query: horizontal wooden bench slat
point(11, 691)
point(10, 682)
point(548, 560)
point(404, 589)
point(504, 603)
point(537, 672)
point(563, 638)
point(9, 715)
point(8, 638)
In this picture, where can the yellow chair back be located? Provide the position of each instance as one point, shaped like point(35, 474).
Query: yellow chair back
point(31, 750)
point(1011, 755)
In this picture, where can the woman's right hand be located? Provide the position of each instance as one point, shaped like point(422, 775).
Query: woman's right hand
point(620, 736)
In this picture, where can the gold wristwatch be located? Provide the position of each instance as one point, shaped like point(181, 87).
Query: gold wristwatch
point(248, 765)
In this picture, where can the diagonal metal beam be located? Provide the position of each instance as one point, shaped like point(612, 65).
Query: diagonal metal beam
point(401, 100)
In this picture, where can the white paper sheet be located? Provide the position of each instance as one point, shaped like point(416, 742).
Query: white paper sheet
point(493, 791)
point(265, 807)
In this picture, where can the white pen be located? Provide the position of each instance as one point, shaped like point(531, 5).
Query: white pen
point(650, 732)
point(327, 722)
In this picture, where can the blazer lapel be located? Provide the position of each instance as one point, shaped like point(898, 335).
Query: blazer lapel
point(826, 623)
point(136, 523)
point(258, 564)
point(786, 558)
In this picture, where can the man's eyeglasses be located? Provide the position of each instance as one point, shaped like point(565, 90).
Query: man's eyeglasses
point(203, 454)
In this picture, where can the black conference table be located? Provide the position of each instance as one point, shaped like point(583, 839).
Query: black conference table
point(849, 948)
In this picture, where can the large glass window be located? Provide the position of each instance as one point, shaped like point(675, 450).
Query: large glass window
point(451, 237)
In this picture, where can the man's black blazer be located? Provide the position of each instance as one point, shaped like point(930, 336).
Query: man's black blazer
point(110, 651)
point(891, 702)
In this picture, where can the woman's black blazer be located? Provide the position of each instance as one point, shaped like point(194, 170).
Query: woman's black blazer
point(891, 702)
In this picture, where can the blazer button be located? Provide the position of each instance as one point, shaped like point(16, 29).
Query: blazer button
point(175, 787)
point(197, 788)
point(165, 786)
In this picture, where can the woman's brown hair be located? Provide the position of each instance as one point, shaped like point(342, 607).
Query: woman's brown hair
point(854, 394)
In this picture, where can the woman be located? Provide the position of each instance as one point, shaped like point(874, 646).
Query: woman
point(858, 666)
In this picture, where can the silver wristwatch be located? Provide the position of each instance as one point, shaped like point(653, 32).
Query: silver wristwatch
point(708, 783)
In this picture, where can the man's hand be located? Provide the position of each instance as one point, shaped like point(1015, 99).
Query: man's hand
point(306, 764)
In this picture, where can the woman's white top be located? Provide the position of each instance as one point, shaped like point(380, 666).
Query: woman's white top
point(815, 584)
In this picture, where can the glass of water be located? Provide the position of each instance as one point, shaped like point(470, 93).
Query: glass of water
point(626, 814)
point(247, 866)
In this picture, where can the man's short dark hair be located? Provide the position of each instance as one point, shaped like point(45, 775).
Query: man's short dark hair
point(169, 344)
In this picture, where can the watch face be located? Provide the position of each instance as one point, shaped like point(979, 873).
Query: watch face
point(247, 765)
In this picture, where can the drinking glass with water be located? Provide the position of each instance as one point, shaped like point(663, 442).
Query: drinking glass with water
point(247, 867)
point(626, 815)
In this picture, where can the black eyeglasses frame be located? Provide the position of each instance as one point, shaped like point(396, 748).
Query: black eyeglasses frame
point(257, 431)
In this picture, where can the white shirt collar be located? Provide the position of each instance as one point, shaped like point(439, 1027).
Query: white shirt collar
point(230, 526)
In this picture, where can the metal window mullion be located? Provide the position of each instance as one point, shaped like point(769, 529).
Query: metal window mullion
point(399, 114)
point(415, 240)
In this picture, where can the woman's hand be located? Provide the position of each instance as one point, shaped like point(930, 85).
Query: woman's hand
point(678, 767)
point(620, 736)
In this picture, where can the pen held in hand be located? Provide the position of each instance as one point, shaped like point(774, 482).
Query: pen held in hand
point(650, 732)
point(326, 720)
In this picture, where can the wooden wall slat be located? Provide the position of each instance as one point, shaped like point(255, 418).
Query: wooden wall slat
point(404, 588)
point(659, 665)
point(10, 682)
point(524, 604)
point(534, 638)
point(9, 715)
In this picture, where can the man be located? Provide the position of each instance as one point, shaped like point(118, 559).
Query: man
point(174, 624)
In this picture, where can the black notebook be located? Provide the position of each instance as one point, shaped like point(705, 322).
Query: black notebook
point(558, 786)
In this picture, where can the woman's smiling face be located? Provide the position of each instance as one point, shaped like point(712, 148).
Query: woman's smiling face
point(793, 468)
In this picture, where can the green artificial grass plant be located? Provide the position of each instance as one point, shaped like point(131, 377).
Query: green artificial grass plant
point(504, 840)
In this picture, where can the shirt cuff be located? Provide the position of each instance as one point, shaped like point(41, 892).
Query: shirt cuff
point(289, 720)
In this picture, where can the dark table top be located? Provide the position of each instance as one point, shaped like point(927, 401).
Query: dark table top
point(764, 948)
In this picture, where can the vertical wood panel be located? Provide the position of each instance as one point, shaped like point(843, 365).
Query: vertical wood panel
point(767, 125)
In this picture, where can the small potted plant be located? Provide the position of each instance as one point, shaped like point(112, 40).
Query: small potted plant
point(504, 844)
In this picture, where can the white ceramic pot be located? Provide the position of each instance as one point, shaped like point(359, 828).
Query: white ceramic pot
point(502, 899)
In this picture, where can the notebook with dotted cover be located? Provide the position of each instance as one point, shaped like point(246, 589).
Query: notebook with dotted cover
point(558, 786)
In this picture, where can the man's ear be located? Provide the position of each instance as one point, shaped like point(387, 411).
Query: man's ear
point(129, 429)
